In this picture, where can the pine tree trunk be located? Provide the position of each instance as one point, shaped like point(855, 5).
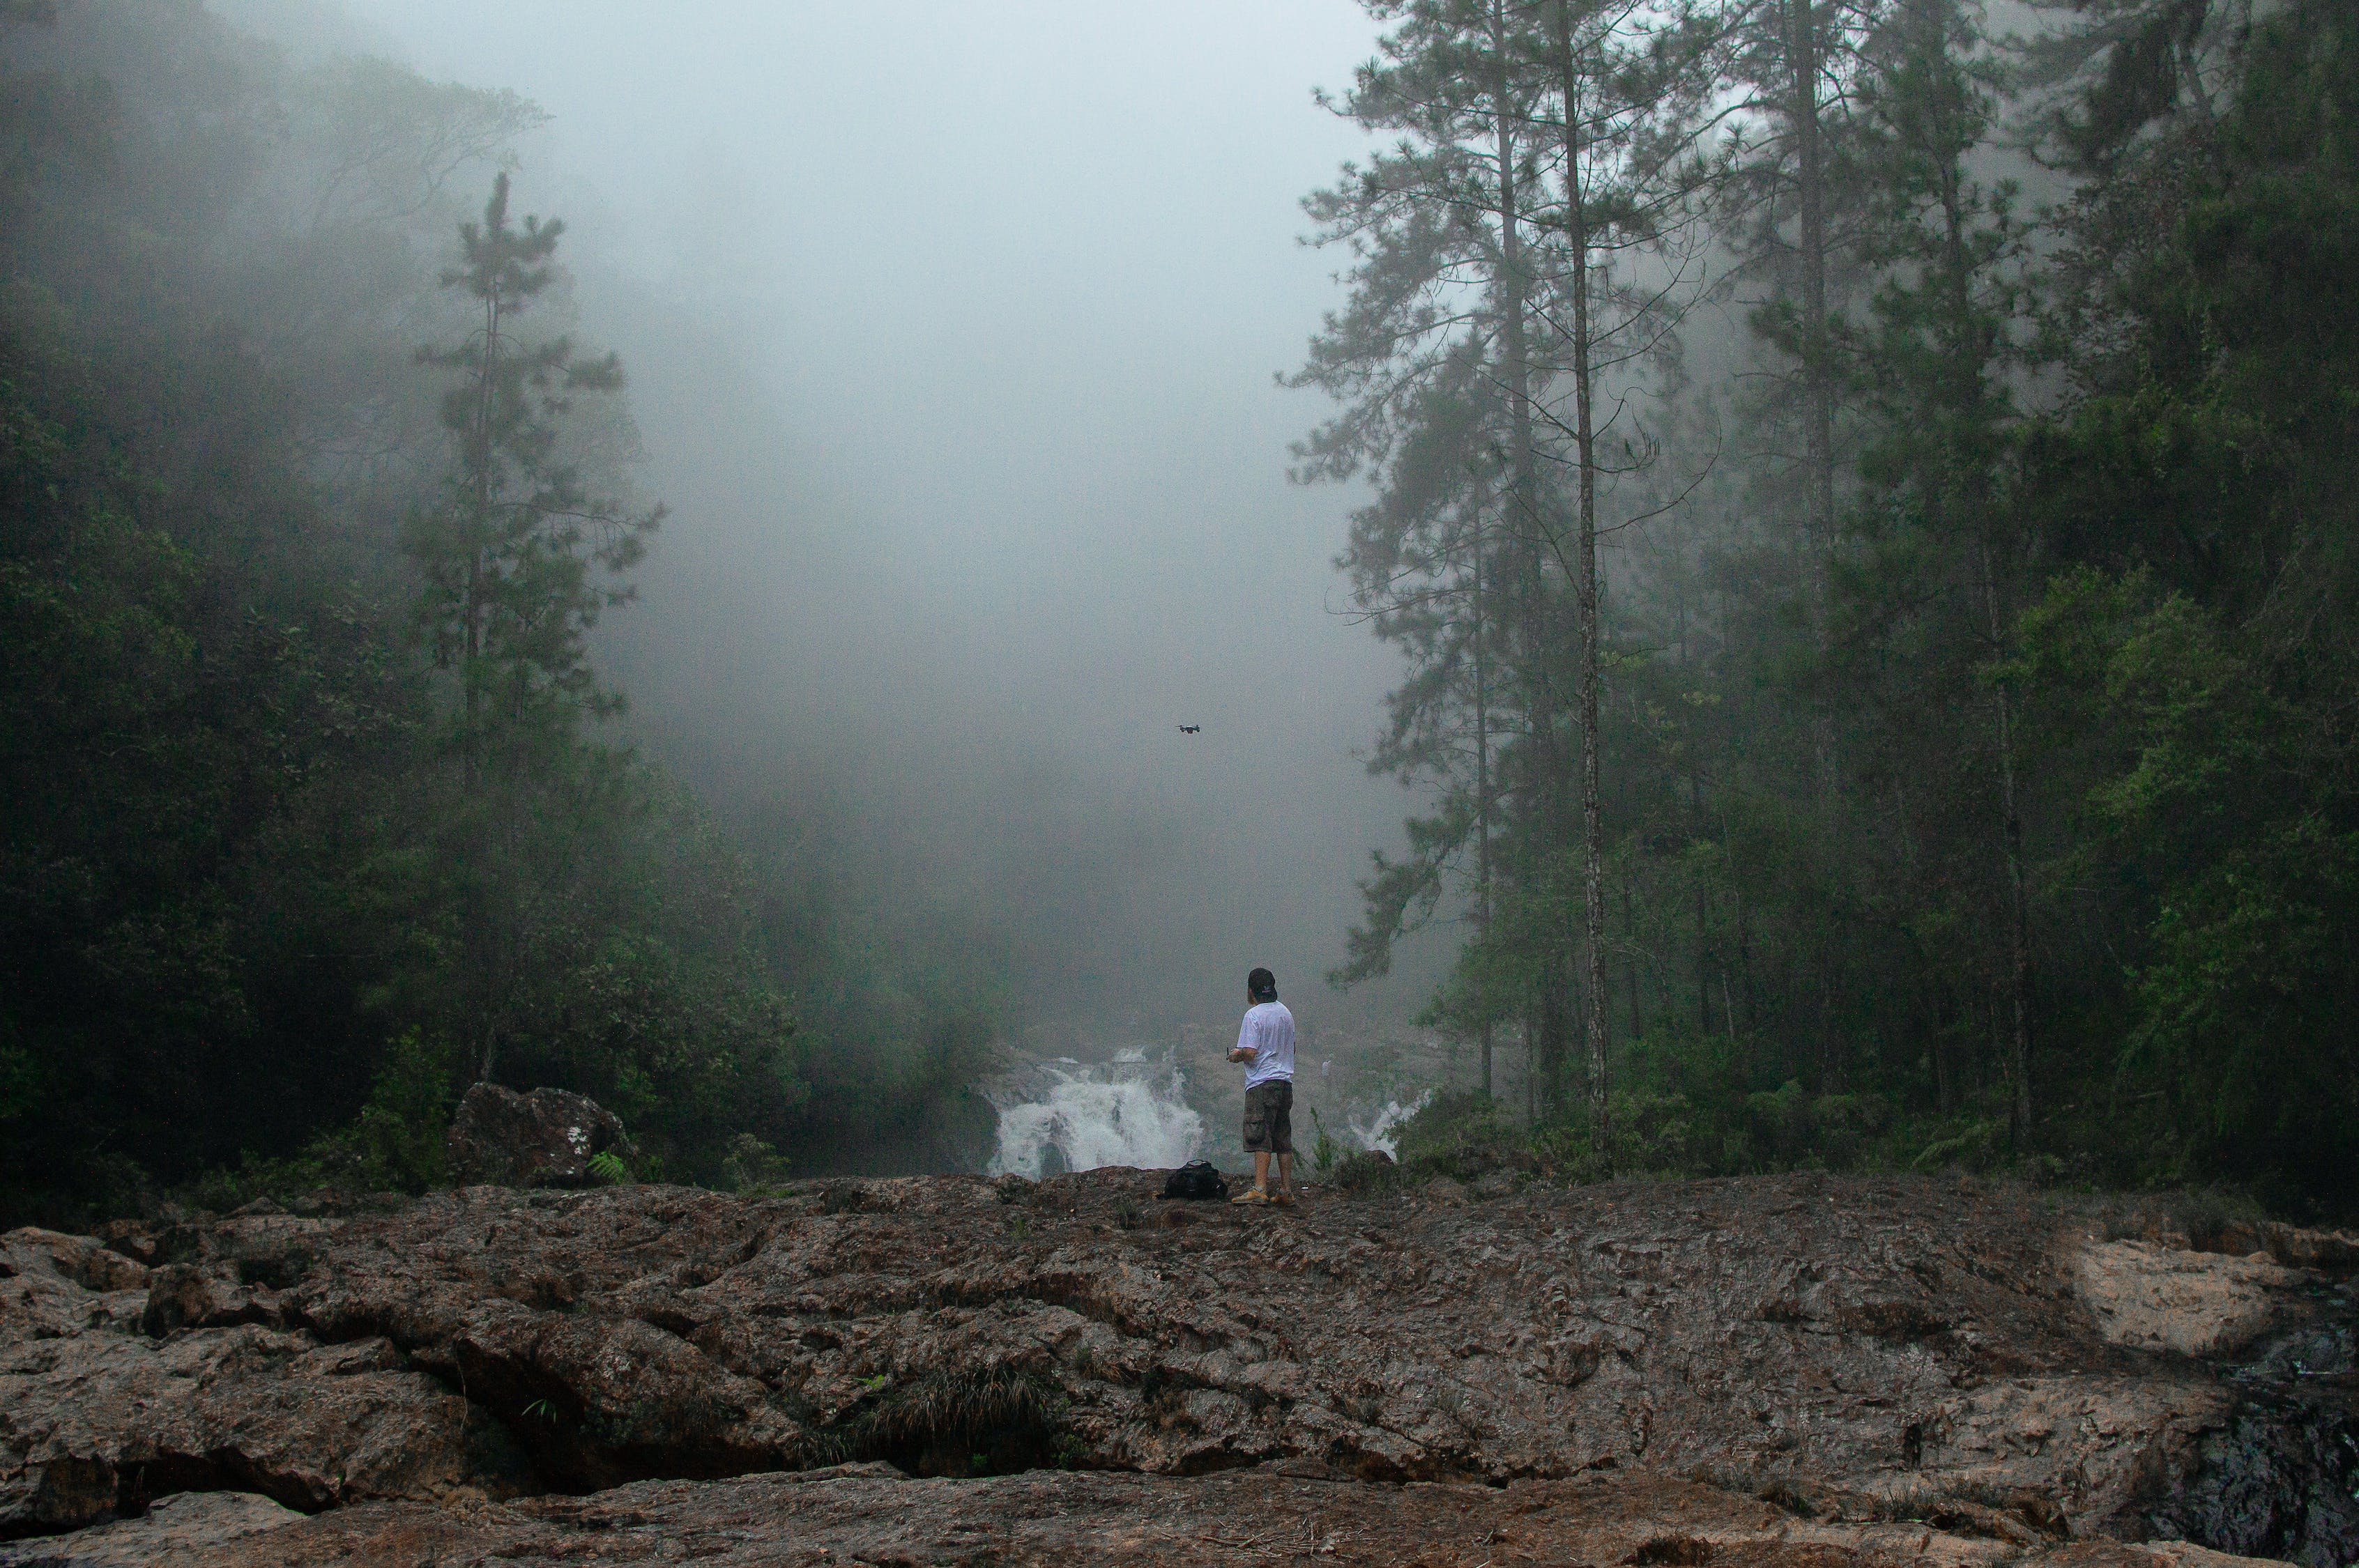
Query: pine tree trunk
point(1808, 135)
point(1531, 1072)
point(1703, 963)
point(1592, 827)
point(1523, 516)
point(2018, 926)
point(481, 932)
point(1817, 385)
point(1744, 970)
point(1944, 1093)
point(1482, 791)
point(1968, 351)
point(1818, 380)
point(479, 528)
point(1630, 962)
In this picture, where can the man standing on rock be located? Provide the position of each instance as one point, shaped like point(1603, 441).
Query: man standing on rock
point(1265, 1044)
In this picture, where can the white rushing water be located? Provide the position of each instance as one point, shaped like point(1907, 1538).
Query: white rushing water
point(1384, 1132)
point(1129, 1112)
point(1067, 1115)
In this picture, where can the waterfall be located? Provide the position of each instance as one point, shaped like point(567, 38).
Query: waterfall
point(1129, 1112)
point(1384, 1132)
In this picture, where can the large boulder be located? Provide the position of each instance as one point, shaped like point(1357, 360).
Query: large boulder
point(2164, 1298)
point(96, 1415)
point(187, 1527)
point(545, 1138)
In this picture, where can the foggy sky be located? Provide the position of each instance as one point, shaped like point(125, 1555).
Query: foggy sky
point(951, 332)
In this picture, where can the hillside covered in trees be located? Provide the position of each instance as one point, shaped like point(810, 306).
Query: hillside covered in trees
point(314, 488)
point(1855, 488)
point(1864, 500)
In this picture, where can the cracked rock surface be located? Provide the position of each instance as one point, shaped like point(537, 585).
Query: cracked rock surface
point(1281, 1513)
point(1876, 1354)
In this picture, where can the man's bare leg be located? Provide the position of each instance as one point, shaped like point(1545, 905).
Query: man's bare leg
point(1286, 1175)
point(1261, 1171)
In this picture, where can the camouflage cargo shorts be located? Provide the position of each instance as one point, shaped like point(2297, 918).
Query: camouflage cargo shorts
point(1269, 1117)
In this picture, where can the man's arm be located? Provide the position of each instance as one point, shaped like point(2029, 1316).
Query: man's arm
point(1243, 1050)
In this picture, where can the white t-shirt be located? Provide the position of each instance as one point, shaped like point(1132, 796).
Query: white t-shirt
point(1269, 1032)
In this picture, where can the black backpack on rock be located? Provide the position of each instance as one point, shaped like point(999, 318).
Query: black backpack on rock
point(1196, 1179)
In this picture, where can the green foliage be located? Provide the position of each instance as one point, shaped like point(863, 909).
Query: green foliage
point(309, 825)
point(983, 1421)
point(610, 1168)
point(1456, 1134)
point(752, 1165)
point(2001, 813)
point(1366, 1171)
point(1970, 1149)
point(509, 556)
point(1655, 1134)
point(1325, 1152)
point(397, 1141)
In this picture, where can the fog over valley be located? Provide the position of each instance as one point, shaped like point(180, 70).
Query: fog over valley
point(951, 337)
point(1717, 587)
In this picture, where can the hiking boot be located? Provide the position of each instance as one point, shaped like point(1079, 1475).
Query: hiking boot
point(1251, 1194)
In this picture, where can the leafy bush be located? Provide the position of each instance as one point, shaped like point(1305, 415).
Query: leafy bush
point(753, 1166)
point(399, 1140)
point(1461, 1135)
point(1367, 1171)
point(1324, 1151)
point(1971, 1148)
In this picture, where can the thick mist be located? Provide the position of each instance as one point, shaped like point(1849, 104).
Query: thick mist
point(952, 334)
point(1867, 635)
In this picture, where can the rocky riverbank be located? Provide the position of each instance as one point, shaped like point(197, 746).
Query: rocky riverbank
point(948, 1369)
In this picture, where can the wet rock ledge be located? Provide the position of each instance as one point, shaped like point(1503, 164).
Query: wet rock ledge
point(946, 1369)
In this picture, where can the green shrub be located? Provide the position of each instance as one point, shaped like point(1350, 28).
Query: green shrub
point(397, 1141)
point(752, 1165)
point(1324, 1151)
point(1970, 1148)
point(1657, 1134)
point(1367, 1172)
point(971, 1421)
point(1462, 1135)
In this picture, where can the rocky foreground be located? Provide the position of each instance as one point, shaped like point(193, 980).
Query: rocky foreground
point(1796, 1369)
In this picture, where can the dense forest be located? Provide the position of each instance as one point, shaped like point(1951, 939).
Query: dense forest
point(1851, 489)
point(1864, 500)
point(314, 492)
